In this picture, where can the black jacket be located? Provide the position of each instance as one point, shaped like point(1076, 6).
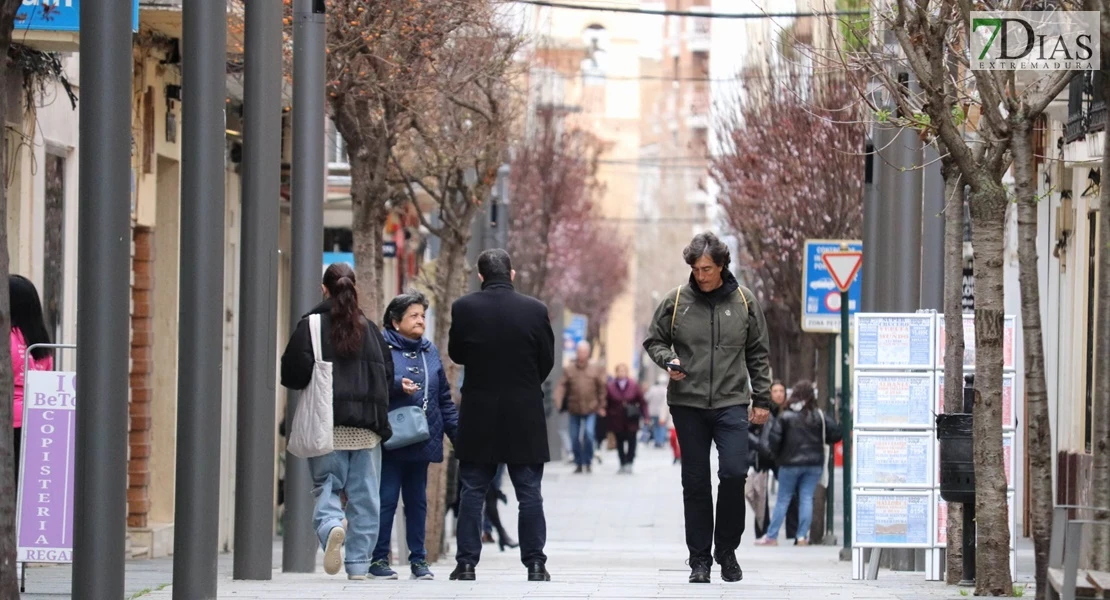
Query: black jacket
point(795, 438)
point(360, 385)
point(506, 346)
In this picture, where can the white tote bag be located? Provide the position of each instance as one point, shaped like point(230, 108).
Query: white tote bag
point(313, 422)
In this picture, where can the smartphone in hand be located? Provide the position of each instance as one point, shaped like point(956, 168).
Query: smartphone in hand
point(677, 367)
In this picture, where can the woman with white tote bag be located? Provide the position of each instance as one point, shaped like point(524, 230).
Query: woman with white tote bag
point(340, 361)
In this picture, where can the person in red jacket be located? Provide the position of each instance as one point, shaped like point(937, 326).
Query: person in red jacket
point(625, 411)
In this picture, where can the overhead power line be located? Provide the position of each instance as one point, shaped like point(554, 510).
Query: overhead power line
point(690, 13)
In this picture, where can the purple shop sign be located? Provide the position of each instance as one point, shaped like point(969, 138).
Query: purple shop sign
point(45, 516)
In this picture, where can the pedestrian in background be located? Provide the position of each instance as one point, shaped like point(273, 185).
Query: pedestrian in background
point(418, 380)
point(28, 328)
point(779, 397)
point(798, 439)
point(626, 409)
point(710, 334)
point(656, 397)
point(581, 392)
point(492, 518)
point(362, 374)
point(505, 342)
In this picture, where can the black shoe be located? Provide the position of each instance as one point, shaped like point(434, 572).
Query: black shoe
point(463, 573)
point(699, 571)
point(730, 569)
point(538, 572)
point(578, 469)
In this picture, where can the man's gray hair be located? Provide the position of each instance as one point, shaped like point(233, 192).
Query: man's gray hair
point(707, 244)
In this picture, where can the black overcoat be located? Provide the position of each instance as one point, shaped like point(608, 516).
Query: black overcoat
point(506, 346)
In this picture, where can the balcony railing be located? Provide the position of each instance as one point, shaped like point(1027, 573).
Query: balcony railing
point(1076, 127)
point(1096, 112)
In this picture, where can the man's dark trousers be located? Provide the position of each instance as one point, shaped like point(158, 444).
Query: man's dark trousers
point(474, 482)
point(728, 428)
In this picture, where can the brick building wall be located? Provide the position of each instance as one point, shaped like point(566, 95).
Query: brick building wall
point(142, 287)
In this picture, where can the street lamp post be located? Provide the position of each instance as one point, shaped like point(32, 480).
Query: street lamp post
point(103, 259)
point(254, 455)
point(299, 540)
point(200, 334)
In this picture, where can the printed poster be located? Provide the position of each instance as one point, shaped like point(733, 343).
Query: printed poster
point(892, 520)
point(894, 400)
point(893, 460)
point(1009, 331)
point(45, 513)
point(894, 341)
point(1008, 383)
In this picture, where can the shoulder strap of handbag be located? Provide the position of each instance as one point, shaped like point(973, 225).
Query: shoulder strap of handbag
point(427, 379)
point(744, 298)
point(314, 333)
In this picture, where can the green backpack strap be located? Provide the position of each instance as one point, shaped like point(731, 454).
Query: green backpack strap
point(674, 313)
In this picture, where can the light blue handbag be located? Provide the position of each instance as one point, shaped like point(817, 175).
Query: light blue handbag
point(410, 423)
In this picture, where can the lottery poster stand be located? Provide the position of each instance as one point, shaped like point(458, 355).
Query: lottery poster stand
point(893, 437)
point(898, 391)
point(1011, 391)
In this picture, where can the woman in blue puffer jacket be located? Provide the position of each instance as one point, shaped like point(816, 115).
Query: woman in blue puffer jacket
point(418, 380)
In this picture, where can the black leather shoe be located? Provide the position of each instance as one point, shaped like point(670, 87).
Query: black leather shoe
point(538, 572)
point(699, 571)
point(463, 573)
point(730, 569)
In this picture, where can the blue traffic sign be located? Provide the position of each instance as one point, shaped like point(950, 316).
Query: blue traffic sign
point(58, 15)
point(820, 296)
point(574, 331)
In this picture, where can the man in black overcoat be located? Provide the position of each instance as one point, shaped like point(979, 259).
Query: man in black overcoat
point(505, 343)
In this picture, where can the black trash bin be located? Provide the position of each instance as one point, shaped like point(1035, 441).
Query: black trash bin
point(957, 460)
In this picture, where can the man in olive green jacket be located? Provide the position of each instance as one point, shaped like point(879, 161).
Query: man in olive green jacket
point(711, 336)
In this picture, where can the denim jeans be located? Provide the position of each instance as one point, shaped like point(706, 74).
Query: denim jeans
point(660, 432)
point(358, 472)
point(803, 482)
point(474, 482)
point(698, 430)
point(582, 438)
point(410, 480)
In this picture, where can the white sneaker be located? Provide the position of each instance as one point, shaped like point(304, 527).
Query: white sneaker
point(333, 559)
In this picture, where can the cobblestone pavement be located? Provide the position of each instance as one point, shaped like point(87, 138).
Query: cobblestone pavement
point(609, 536)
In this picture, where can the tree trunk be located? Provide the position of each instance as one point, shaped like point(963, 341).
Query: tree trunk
point(450, 284)
point(369, 213)
point(1100, 420)
point(992, 550)
point(1038, 438)
point(9, 580)
point(954, 345)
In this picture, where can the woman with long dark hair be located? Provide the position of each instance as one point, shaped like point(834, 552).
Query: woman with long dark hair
point(419, 380)
point(362, 373)
point(28, 329)
point(797, 439)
